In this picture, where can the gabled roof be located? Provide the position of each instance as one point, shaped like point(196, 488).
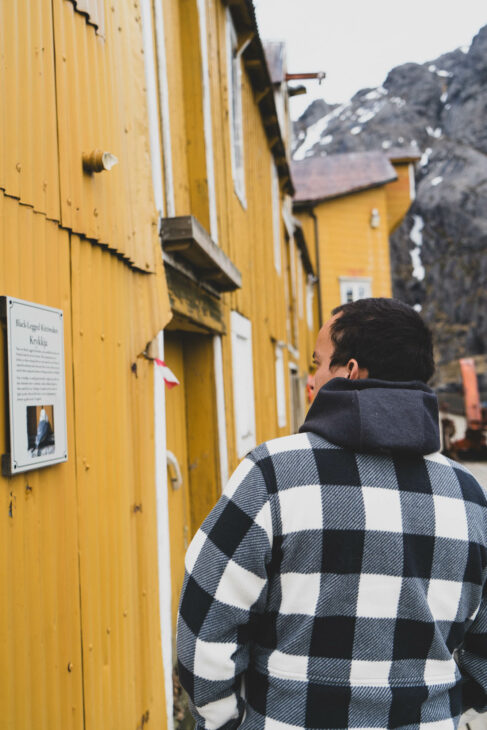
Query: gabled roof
point(331, 176)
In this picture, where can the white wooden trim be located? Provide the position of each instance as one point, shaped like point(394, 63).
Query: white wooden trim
point(299, 274)
point(287, 215)
point(243, 382)
point(238, 174)
point(280, 387)
point(220, 410)
point(152, 103)
point(163, 542)
point(310, 291)
point(207, 121)
point(164, 106)
point(276, 215)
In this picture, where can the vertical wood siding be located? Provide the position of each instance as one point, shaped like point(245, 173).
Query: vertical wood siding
point(116, 496)
point(100, 89)
point(28, 127)
point(39, 576)
point(79, 610)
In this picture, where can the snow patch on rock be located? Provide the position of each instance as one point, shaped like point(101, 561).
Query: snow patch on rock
point(398, 101)
point(315, 132)
point(436, 133)
point(425, 157)
point(376, 94)
point(416, 236)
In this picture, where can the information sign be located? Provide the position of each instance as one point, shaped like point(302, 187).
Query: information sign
point(36, 387)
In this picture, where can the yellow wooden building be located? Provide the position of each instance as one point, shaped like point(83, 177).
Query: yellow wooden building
point(184, 252)
point(236, 261)
point(348, 205)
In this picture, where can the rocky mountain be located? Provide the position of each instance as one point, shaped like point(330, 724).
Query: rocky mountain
point(439, 253)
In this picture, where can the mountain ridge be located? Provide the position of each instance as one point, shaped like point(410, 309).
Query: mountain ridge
point(439, 252)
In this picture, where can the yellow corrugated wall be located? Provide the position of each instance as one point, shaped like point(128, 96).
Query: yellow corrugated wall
point(40, 648)
point(28, 139)
point(101, 97)
point(245, 233)
point(116, 496)
point(79, 605)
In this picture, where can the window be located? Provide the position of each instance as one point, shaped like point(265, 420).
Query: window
point(354, 288)
point(276, 216)
point(207, 123)
point(243, 383)
point(280, 387)
point(94, 12)
point(235, 103)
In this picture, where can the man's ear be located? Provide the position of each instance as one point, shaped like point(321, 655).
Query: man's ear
point(354, 371)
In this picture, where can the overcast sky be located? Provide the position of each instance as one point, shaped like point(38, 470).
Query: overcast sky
point(356, 42)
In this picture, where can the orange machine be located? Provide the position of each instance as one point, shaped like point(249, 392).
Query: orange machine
point(473, 445)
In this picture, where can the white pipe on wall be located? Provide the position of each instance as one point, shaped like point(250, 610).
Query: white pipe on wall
point(163, 542)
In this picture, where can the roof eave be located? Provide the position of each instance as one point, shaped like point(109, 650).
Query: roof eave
point(311, 202)
point(243, 16)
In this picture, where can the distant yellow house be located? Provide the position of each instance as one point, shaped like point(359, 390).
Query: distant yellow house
point(348, 204)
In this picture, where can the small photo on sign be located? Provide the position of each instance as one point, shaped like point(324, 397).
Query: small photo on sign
point(40, 430)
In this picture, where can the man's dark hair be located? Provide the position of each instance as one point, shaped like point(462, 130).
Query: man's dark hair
point(386, 336)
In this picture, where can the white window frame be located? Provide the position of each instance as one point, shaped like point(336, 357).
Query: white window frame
point(280, 386)
point(360, 287)
point(234, 69)
point(207, 120)
point(310, 293)
point(243, 383)
point(220, 409)
point(299, 274)
point(276, 215)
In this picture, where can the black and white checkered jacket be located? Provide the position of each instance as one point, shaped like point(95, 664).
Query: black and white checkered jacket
point(330, 588)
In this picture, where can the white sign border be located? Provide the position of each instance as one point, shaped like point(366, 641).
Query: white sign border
point(9, 467)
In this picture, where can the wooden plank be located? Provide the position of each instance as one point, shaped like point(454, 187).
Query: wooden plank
point(186, 235)
point(193, 303)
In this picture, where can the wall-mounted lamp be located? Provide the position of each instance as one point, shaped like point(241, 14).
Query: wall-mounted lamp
point(97, 161)
point(374, 218)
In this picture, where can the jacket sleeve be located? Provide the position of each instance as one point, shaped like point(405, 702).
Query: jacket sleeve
point(225, 589)
point(472, 661)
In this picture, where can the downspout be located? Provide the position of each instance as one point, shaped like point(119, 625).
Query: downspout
point(312, 214)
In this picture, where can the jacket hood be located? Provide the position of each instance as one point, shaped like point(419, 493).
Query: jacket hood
point(376, 416)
